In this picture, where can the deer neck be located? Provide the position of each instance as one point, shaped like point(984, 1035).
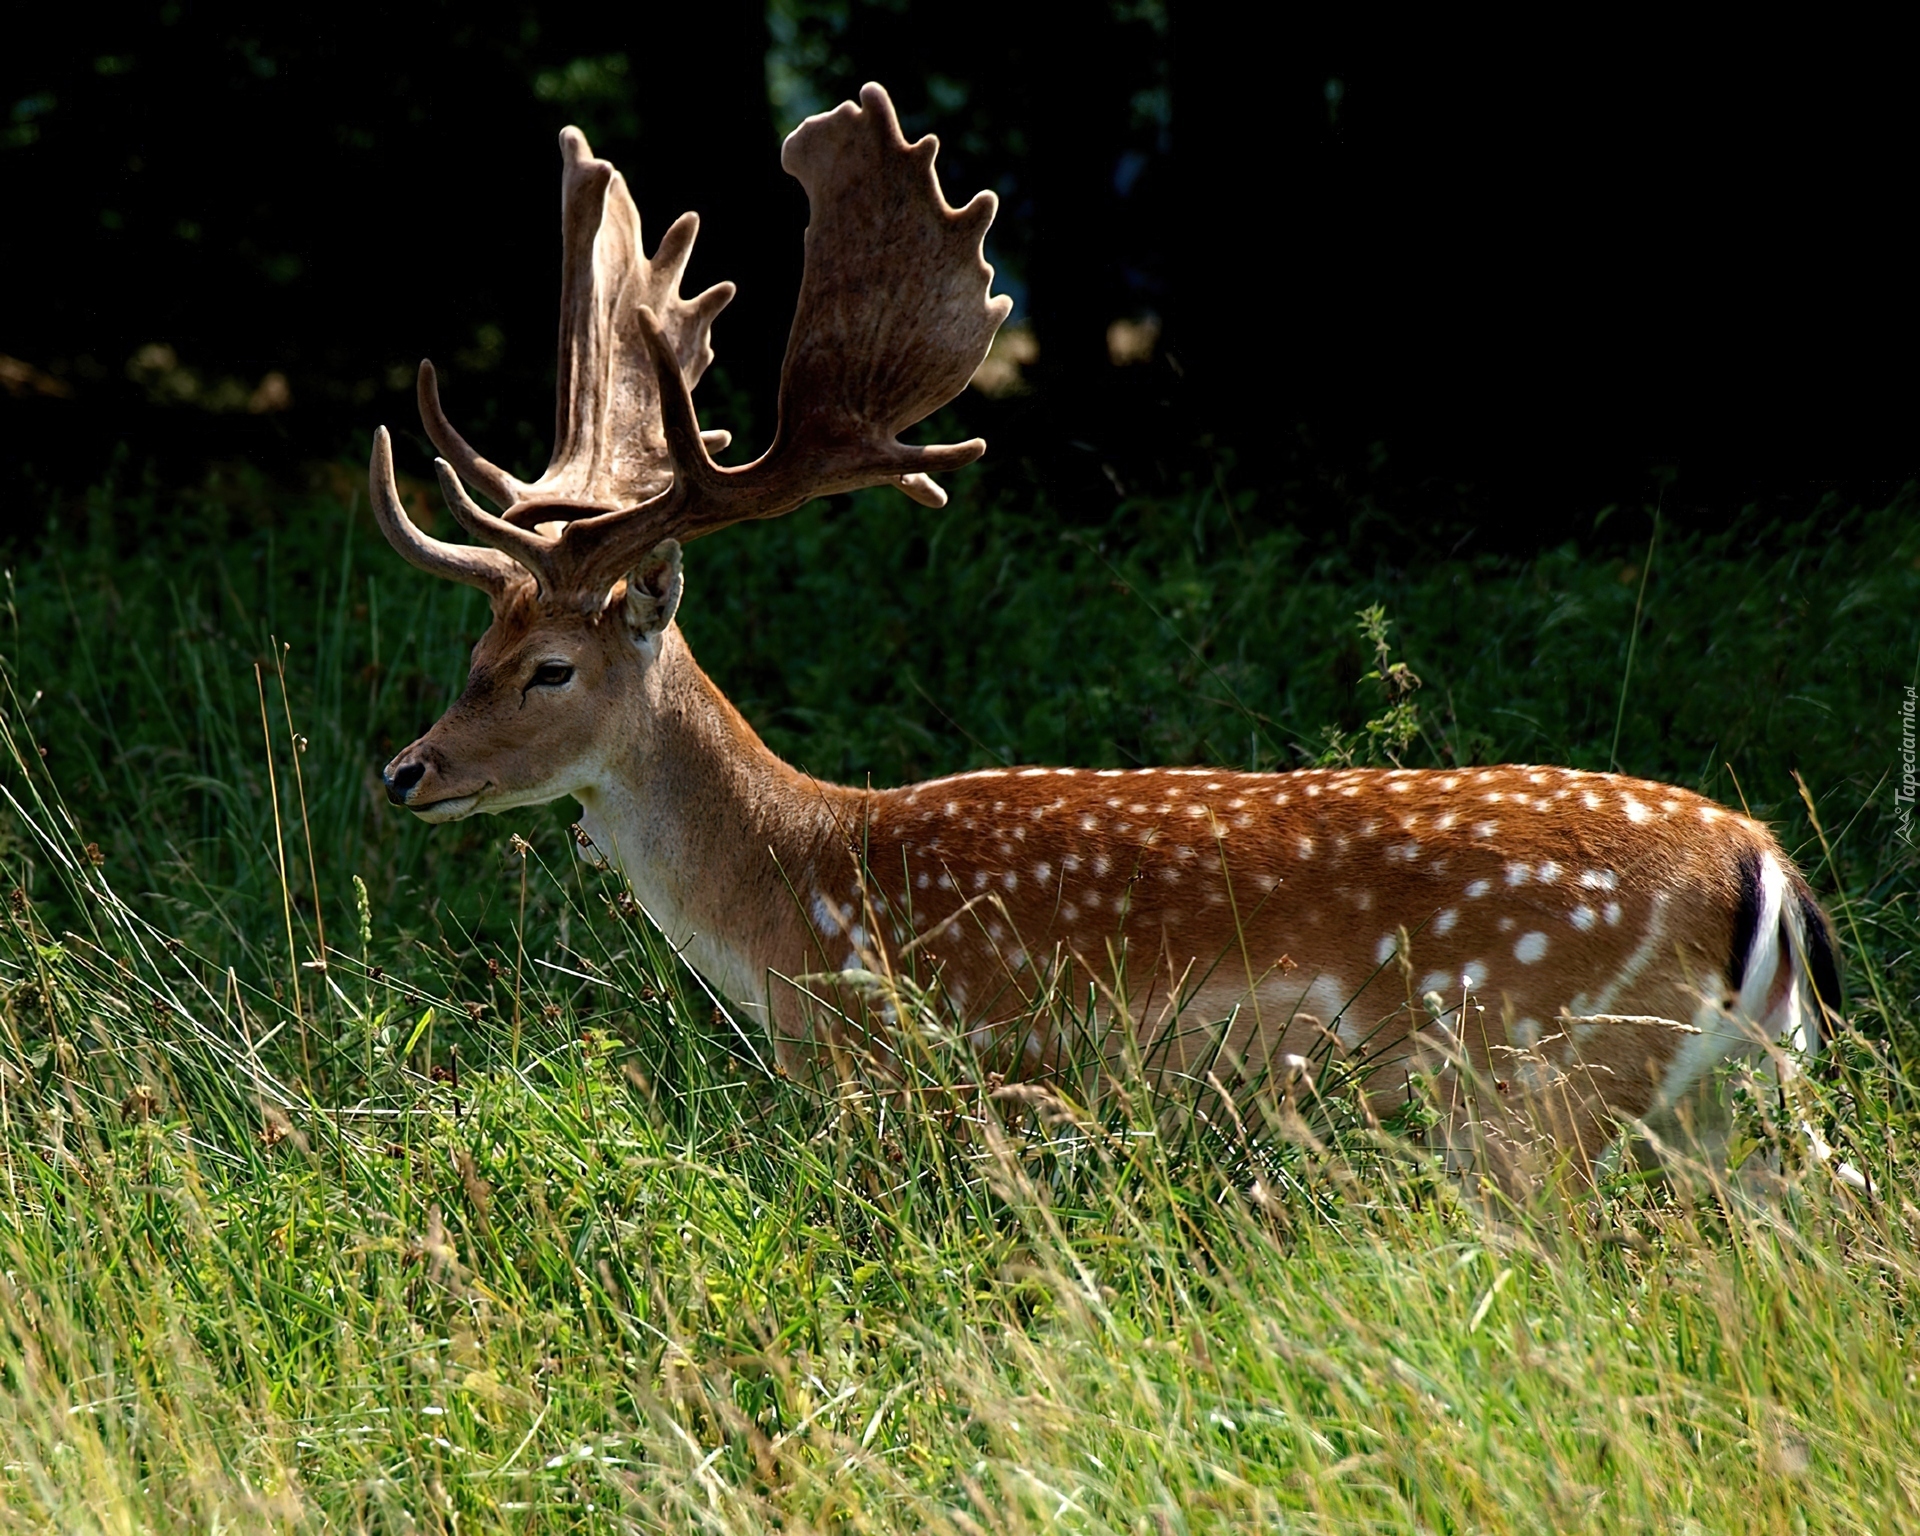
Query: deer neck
point(714, 832)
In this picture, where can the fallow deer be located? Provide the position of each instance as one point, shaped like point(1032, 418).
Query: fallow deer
point(1597, 943)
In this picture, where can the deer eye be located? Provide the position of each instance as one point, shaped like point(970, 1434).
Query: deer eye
point(550, 674)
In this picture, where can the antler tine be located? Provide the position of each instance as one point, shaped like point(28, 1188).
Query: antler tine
point(893, 320)
point(608, 448)
point(486, 477)
point(532, 552)
point(487, 569)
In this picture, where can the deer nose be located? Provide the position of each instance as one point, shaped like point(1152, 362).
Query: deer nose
point(400, 780)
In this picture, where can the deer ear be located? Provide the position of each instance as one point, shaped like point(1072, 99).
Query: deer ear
point(653, 591)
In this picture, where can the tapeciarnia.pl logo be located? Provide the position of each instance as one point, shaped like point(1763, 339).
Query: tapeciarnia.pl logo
point(1903, 796)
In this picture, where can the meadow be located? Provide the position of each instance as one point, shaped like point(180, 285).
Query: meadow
point(365, 1176)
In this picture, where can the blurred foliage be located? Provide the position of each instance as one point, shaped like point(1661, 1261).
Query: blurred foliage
point(1294, 235)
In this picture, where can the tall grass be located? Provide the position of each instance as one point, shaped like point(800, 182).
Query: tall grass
point(504, 1226)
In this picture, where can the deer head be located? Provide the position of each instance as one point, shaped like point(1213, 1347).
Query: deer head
point(583, 565)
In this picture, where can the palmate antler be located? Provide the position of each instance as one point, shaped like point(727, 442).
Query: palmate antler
point(893, 319)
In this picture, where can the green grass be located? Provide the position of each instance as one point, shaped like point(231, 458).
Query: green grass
point(502, 1227)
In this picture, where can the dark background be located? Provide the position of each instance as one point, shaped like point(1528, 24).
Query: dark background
point(1469, 285)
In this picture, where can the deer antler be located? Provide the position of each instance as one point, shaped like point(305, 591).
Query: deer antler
point(893, 319)
point(608, 448)
point(487, 569)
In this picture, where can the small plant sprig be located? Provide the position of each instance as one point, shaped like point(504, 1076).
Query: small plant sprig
point(1388, 735)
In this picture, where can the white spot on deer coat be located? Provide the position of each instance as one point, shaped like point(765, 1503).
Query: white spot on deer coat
point(1531, 947)
point(1478, 888)
point(1583, 918)
point(1386, 949)
point(1636, 812)
point(1444, 922)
